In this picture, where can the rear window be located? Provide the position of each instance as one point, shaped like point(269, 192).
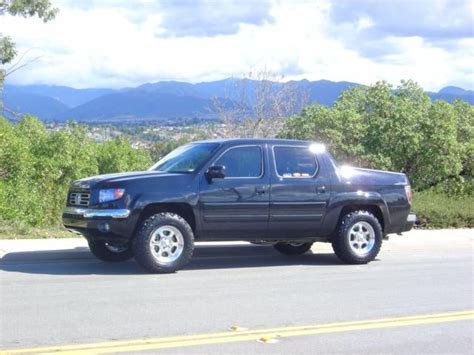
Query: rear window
point(295, 162)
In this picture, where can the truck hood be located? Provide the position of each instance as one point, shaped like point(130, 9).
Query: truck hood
point(92, 181)
point(359, 176)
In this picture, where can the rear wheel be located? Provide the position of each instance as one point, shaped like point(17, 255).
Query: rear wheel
point(359, 238)
point(110, 253)
point(292, 248)
point(164, 243)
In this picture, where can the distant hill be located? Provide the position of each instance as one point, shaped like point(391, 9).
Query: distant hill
point(324, 92)
point(167, 99)
point(68, 96)
point(138, 104)
point(170, 87)
point(451, 93)
point(45, 107)
point(453, 90)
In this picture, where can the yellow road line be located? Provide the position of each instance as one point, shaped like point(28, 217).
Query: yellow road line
point(247, 335)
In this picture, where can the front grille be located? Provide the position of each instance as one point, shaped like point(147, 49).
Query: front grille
point(79, 198)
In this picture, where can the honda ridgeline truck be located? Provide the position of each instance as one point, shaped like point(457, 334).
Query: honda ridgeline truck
point(287, 193)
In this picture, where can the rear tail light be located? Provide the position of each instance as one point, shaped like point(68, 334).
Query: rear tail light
point(409, 193)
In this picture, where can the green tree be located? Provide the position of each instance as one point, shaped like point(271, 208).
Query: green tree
point(37, 167)
point(160, 149)
point(343, 129)
point(118, 155)
point(394, 129)
point(465, 134)
point(25, 8)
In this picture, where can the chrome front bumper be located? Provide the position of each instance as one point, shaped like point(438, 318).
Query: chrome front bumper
point(93, 213)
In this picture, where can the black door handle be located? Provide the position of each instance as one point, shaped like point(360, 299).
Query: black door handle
point(260, 190)
point(321, 189)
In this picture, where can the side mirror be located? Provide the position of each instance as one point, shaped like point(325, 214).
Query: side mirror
point(215, 172)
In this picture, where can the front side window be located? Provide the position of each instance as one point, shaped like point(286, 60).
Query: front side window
point(294, 161)
point(242, 162)
point(186, 159)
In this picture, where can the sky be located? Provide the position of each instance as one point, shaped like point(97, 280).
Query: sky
point(123, 43)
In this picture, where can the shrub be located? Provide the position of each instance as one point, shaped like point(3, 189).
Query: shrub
point(37, 167)
point(394, 129)
point(438, 210)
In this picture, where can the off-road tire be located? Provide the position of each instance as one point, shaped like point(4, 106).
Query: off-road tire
point(100, 251)
point(288, 249)
point(141, 244)
point(340, 241)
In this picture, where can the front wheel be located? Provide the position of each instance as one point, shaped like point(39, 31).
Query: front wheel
point(358, 239)
point(292, 248)
point(164, 243)
point(110, 253)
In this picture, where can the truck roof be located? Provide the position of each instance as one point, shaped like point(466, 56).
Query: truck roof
point(256, 141)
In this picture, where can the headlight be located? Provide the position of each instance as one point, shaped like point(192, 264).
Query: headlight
point(110, 194)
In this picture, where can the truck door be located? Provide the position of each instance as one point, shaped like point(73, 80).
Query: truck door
point(299, 192)
point(237, 205)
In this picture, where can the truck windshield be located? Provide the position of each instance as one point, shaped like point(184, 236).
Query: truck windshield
point(185, 159)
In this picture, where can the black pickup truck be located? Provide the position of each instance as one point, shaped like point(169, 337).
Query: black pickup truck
point(283, 192)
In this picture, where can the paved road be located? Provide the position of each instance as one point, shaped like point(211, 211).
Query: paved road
point(73, 299)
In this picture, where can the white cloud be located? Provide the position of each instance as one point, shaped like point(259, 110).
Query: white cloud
point(364, 22)
point(105, 46)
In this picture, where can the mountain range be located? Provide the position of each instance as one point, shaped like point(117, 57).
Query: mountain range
point(166, 99)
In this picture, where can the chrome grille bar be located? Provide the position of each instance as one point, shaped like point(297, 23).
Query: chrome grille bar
point(79, 198)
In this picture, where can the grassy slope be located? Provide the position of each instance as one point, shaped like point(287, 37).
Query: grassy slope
point(439, 211)
point(12, 230)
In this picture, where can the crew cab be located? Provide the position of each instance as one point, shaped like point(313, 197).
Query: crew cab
point(287, 193)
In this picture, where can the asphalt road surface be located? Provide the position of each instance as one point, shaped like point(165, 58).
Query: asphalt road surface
point(417, 297)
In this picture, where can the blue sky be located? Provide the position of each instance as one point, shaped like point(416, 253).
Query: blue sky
point(119, 43)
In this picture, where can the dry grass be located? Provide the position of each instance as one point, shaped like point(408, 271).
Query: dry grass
point(16, 230)
point(437, 210)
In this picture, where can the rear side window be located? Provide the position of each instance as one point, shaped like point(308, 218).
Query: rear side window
point(294, 161)
point(242, 162)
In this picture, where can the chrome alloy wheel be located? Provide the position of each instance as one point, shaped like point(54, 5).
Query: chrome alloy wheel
point(166, 244)
point(361, 238)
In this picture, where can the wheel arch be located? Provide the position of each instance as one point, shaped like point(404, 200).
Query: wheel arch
point(371, 208)
point(345, 202)
point(182, 209)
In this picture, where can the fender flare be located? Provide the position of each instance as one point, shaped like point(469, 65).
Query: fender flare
point(358, 199)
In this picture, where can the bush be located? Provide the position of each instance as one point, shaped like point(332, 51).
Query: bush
point(438, 210)
point(118, 155)
point(37, 167)
point(395, 129)
point(20, 230)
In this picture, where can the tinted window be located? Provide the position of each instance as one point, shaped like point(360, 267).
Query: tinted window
point(294, 161)
point(186, 159)
point(242, 162)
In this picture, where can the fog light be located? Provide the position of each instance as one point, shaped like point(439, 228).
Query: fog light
point(103, 227)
